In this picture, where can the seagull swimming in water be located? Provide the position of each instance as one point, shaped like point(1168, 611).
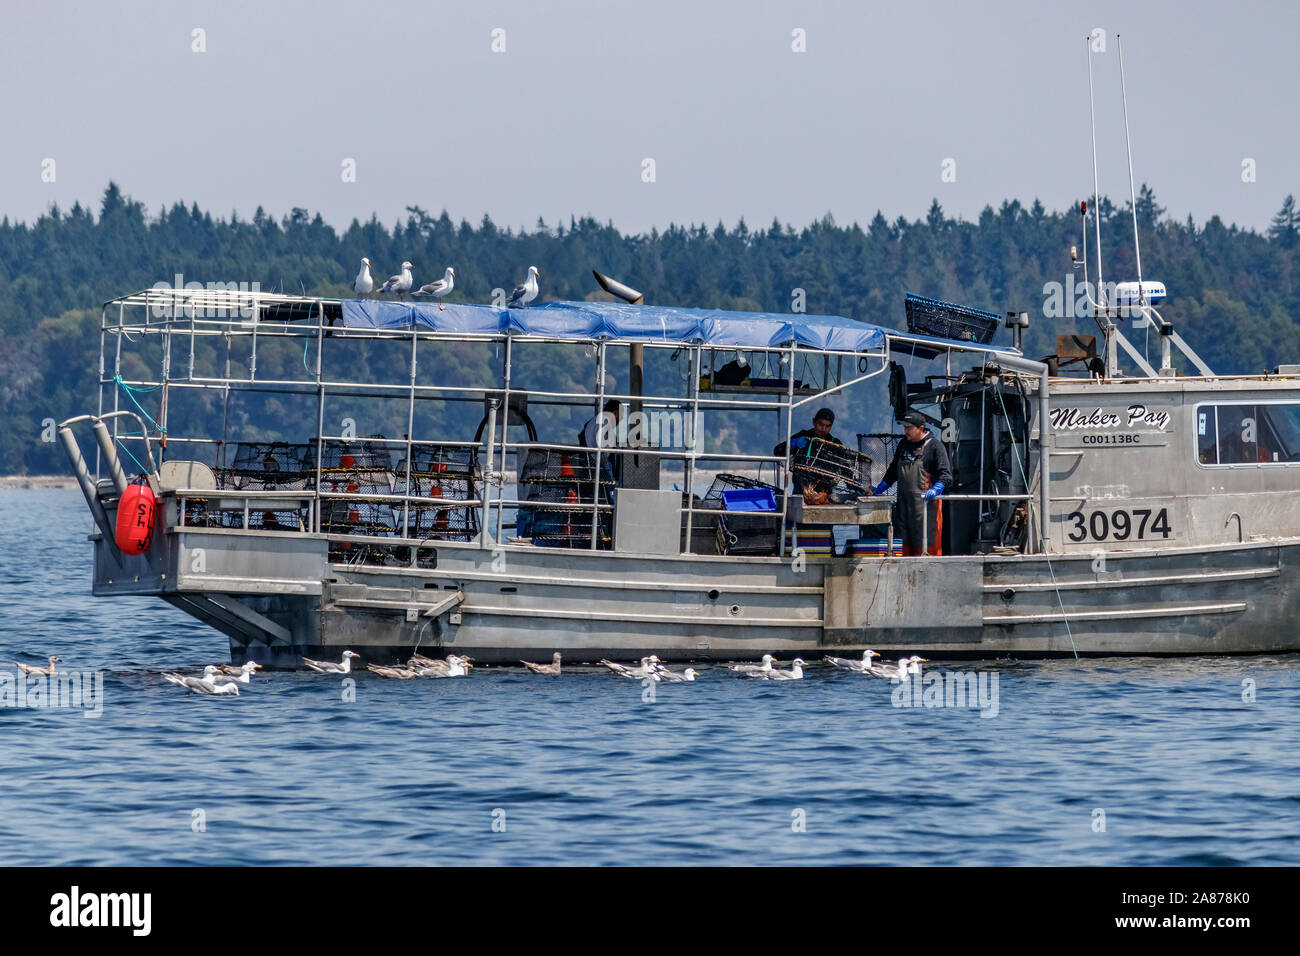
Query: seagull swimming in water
point(751, 668)
point(329, 667)
point(398, 673)
point(401, 282)
point(908, 666)
point(523, 294)
point(39, 671)
point(794, 673)
point(674, 678)
point(552, 669)
point(364, 283)
point(207, 684)
point(440, 288)
point(243, 675)
point(452, 666)
point(863, 666)
point(649, 668)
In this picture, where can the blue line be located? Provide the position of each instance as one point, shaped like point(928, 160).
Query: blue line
point(143, 469)
point(130, 393)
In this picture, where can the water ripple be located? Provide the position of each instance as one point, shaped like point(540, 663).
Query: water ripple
point(1117, 761)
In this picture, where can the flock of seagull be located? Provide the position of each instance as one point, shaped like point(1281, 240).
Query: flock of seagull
point(766, 669)
point(404, 281)
point(224, 680)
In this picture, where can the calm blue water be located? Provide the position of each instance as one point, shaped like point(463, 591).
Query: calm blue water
point(586, 773)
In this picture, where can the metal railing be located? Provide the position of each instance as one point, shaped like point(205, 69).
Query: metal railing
point(244, 318)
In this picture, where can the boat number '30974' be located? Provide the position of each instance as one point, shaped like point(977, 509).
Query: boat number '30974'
point(1138, 524)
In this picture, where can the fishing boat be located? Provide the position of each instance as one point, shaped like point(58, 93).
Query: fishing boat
point(1091, 513)
point(594, 478)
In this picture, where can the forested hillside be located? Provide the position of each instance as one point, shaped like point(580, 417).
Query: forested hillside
point(1233, 293)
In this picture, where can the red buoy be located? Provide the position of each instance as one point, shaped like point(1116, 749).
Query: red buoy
point(135, 517)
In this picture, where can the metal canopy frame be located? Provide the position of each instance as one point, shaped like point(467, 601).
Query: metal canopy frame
point(187, 317)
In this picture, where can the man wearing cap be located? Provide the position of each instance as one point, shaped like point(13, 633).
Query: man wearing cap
point(822, 423)
point(922, 470)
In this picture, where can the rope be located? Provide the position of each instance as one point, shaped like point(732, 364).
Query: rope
point(1065, 617)
point(131, 393)
point(141, 468)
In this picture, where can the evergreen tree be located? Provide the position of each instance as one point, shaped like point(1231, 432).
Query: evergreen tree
point(1286, 224)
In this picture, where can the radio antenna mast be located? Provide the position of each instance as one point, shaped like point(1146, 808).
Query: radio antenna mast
point(1128, 145)
point(1163, 326)
point(1100, 300)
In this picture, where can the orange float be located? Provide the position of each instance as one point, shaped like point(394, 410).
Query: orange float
point(135, 517)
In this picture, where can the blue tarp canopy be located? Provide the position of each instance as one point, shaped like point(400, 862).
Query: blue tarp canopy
point(618, 320)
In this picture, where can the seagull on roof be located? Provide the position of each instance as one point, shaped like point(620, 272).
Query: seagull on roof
point(207, 684)
point(329, 667)
point(401, 282)
point(39, 671)
point(440, 288)
point(794, 673)
point(751, 668)
point(364, 283)
point(525, 293)
point(552, 669)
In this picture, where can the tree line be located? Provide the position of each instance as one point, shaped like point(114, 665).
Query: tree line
point(1233, 292)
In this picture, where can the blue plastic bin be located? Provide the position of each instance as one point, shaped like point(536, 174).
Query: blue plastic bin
point(749, 499)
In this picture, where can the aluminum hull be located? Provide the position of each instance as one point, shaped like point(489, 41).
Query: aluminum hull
point(279, 598)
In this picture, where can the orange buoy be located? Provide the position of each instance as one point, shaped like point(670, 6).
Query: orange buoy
point(347, 461)
point(135, 517)
point(566, 469)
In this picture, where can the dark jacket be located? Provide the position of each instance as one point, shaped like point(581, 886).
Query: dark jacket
point(806, 433)
point(934, 459)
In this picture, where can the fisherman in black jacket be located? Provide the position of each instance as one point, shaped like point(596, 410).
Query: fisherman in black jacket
point(822, 423)
point(922, 470)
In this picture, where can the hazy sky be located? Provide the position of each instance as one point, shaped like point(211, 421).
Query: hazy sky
point(560, 123)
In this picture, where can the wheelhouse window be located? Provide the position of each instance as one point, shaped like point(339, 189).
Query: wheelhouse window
point(1248, 433)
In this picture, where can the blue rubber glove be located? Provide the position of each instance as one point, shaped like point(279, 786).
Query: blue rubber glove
point(881, 488)
point(934, 492)
point(798, 444)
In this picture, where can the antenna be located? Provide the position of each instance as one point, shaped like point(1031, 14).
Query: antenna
point(1112, 364)
point(1128, 145)
point(1096, 188)
point(1165, 329)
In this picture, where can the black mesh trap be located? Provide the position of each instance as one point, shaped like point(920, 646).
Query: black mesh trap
point(946, 320)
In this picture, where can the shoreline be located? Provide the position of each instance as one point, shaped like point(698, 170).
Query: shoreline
point(37, 481)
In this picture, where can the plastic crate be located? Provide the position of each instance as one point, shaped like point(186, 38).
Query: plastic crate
point(947, 320)
point(749, 499)
point(722, 483)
